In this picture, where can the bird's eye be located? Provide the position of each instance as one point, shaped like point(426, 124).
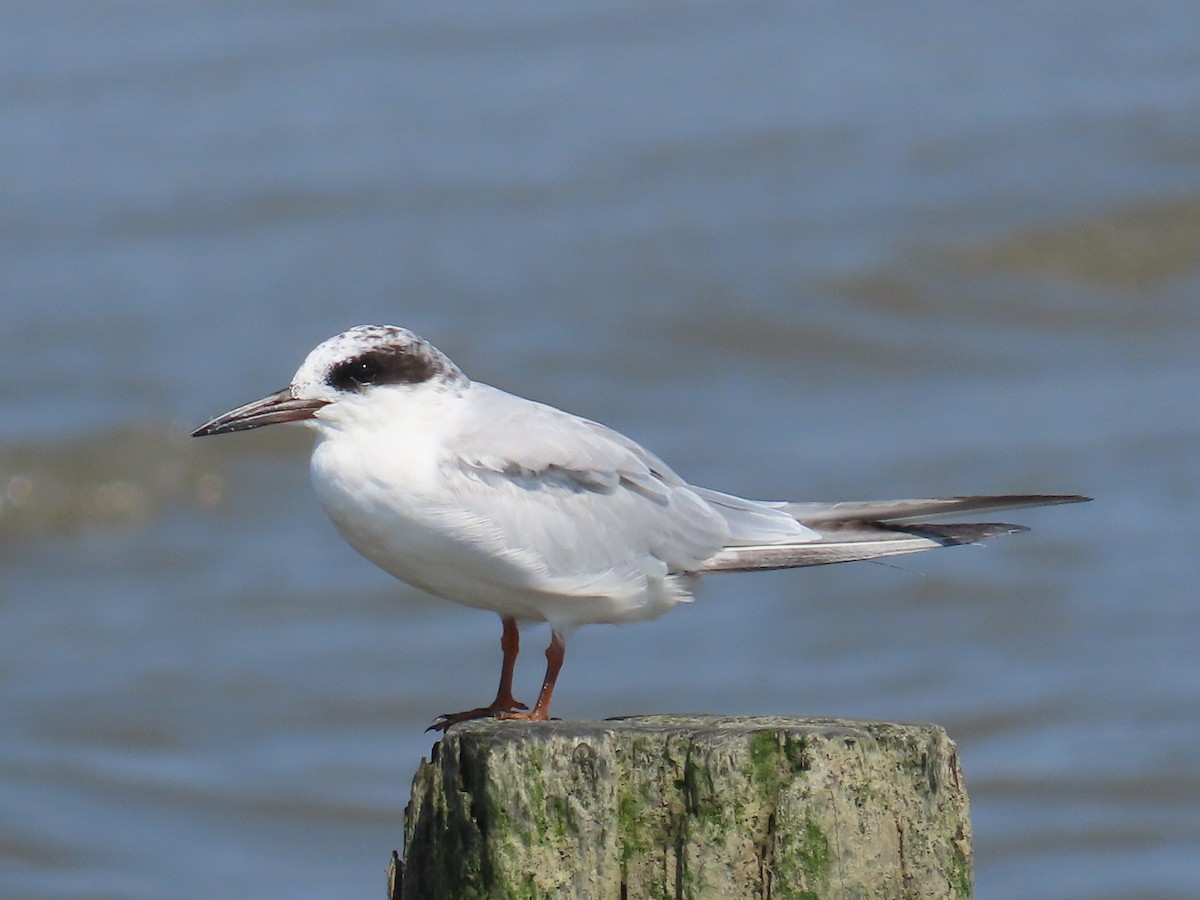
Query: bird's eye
point(356, 373)
point(365, 371)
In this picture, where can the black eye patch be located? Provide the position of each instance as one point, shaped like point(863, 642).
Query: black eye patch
point(385, 366)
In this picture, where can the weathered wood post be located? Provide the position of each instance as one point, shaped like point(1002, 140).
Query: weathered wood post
point(687, 807)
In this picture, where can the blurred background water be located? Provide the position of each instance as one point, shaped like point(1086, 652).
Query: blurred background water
point(812, 250)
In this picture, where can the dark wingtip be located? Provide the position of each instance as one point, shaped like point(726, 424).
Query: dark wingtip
point(954, 534)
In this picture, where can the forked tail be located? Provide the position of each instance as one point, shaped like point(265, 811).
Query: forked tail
point(855, 531)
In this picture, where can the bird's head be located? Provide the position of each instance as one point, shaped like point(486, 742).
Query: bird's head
point(341, 377)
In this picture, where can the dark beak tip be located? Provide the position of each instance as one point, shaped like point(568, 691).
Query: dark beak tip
point(216, 426)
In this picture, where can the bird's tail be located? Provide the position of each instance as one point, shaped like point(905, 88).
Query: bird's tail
point(868, 530)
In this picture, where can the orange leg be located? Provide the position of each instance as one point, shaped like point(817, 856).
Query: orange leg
point(504, 707)
point(510, 646)
point(555, 654)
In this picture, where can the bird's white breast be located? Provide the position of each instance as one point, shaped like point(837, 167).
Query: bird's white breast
point(377, 470)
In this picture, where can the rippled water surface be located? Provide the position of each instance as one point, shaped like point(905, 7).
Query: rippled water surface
point(810, 250)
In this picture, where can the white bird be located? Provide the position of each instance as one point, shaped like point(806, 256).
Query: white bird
point(501, 503)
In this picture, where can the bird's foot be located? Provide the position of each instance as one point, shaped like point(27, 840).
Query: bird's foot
point(500, 708)
point(534, 715)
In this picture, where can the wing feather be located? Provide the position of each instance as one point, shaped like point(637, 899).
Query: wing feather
point(578, 502)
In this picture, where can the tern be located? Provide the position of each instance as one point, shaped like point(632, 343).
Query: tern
point(501, 503)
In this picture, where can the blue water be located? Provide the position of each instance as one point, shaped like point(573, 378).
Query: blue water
point(813, 250)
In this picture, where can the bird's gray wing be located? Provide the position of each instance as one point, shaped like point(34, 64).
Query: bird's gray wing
point(582, 508)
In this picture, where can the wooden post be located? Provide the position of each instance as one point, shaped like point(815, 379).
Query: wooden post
point(687, 807)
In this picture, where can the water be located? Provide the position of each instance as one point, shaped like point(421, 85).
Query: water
point(806, 250)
